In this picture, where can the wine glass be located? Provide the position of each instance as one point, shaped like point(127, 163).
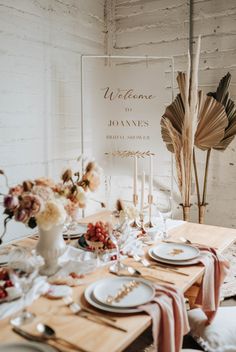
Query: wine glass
point(23, 271)
point(164, 207)
point(118, 231)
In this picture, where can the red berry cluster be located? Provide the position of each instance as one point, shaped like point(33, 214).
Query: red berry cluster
point(98, 232)
point(113, 257)
point(4, 276)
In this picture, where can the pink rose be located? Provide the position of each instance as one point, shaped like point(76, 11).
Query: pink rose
point(22, 215)
point(31, 204)
point(16, 191)
point(11, 202)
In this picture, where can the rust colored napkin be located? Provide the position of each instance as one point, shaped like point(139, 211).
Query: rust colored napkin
point(169, 318)
point(216, 269)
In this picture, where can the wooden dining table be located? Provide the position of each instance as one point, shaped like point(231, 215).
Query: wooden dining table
point(93, 337)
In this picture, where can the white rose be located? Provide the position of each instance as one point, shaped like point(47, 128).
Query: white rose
point(53, 214)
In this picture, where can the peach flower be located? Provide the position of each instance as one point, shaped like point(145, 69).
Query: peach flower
point(53, 214)
point(44, 181)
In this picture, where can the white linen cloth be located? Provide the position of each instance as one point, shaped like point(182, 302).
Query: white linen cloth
point(39, 287)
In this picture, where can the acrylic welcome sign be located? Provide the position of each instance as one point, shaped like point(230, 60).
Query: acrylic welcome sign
point(123, 101)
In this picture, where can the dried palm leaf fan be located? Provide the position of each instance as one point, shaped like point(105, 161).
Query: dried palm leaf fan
point(217, 135)
point(191, 119)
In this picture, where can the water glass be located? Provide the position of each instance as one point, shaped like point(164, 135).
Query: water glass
point(164, 206)
point(23, 271)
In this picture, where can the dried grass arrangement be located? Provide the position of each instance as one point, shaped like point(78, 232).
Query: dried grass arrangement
point(178, 125)
point(196, 120)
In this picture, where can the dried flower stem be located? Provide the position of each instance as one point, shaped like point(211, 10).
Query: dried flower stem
point(6, 220)
point(206, 177)
point(6, 179)
point(196, 177)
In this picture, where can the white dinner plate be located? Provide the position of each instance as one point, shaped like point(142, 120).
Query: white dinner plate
point(165, 261)
point(175, 251)
point(26, 347)
point(140, 294)
point(89, 296)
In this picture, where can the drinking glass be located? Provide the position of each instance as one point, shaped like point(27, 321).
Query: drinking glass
point(118, 231)
point(23, 271)
point(164, 207)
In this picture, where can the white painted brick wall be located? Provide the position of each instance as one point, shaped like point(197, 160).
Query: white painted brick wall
point(41, 43)
point(151, 27)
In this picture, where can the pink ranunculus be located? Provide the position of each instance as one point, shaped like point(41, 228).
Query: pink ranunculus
point(31, 204)
point(22, 215)
point(93, 179)
point(16, 191)
point(71, 208)
point(10, 202)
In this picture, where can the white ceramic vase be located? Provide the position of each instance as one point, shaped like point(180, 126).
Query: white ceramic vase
point(50, 246)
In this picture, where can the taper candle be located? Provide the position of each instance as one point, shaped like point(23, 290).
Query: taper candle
point(142, 192)
point(150, 175)
point(135, 174)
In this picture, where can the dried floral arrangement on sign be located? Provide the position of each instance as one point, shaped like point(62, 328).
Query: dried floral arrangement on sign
point(197, 120)
point(130, 153)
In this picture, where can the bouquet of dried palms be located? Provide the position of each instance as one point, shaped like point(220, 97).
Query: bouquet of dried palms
point(192, 119)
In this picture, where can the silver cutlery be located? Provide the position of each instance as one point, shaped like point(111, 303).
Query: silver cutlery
point(68, 301)
point(187, 241)
point(158, 266)
point(136, 273)
point(48, 333)
point(31, 337)
point(76, 309)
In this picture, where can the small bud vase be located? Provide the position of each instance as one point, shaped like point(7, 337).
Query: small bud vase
point(50, 246)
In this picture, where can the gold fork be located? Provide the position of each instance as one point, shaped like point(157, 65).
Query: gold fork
point(68, 301)
point(76, 309)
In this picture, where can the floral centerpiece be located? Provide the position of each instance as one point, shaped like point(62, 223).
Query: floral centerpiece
point(48, 205)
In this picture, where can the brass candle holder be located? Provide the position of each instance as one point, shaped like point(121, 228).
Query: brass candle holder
point(134, 224)
point(141, 227)
point(149, 224)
